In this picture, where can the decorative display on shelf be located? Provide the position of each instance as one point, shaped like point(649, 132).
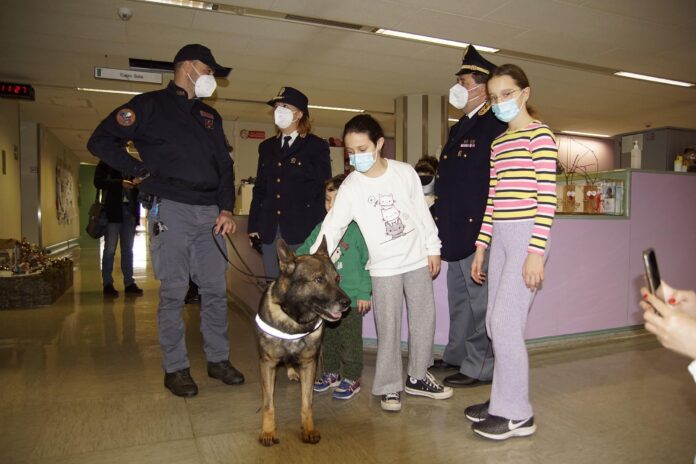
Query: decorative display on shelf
point(22, 257)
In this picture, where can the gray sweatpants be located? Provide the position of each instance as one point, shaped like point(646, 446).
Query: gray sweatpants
point(388, 298)
point(509, 301)
point(187, 248)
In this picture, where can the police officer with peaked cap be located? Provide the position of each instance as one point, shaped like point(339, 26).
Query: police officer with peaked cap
point(288, 196)
point(187, 170)
point(461, 192)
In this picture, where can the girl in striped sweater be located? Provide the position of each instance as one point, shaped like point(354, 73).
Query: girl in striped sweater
point(520, 210)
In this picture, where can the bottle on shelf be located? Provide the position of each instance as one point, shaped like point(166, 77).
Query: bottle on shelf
point(635, 155)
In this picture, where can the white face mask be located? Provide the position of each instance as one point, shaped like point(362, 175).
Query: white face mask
point(459, 95)
point(204, 86)
point(283, 117)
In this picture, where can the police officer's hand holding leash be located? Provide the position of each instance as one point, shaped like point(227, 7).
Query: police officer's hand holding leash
point(187, 174)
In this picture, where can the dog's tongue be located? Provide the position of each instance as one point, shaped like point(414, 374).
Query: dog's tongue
point(335, 314)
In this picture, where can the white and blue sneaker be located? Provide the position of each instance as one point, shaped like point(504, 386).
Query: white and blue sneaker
point(346, 389)
point(328, 380)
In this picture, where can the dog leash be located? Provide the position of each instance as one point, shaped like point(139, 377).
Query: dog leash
point(261, 281)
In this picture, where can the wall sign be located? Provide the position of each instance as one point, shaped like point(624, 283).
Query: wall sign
point(127, 75)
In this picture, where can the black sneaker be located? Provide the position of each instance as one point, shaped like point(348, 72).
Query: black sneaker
point(225, 371)
point(133, 289)
point(429, 387)
point(500, 428)
point(181, 383)
point(109, 290)
point(477, 412)
point(391, 402)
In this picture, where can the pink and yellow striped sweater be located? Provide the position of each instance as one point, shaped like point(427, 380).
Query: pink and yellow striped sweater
point(522, 183)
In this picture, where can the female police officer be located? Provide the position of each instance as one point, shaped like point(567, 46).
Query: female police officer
point(288, 197)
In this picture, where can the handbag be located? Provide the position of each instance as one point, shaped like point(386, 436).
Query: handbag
point(97, 221)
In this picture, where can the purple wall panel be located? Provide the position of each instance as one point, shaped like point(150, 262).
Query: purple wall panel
point(594, 268)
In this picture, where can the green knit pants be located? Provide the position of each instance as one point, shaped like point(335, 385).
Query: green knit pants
point(343, 346)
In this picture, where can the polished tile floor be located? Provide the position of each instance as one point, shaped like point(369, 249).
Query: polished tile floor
point(80, 382)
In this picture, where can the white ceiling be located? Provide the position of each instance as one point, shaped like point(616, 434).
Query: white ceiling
point(55, 45)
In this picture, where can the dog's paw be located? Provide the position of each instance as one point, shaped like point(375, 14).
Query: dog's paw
point(311, 436)
point(293, 374)
point(268, 438)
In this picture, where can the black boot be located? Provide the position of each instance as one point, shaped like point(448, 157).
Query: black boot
point(109, 290)
point(181, 383)
point(133, 289)
point(225, 371)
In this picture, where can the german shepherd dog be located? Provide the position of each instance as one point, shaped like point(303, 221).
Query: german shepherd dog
point(290, 329)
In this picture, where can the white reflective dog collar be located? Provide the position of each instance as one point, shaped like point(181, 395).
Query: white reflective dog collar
point(692, 369)
point(272, 331)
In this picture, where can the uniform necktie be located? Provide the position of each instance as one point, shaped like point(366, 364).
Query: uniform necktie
point(286, 144)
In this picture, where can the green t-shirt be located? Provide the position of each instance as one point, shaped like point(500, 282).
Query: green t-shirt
point(350, 259)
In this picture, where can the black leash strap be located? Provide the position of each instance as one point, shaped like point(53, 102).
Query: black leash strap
point(261, 281)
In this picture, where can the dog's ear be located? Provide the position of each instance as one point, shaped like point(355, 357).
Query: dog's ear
point(286, 258)
point(323, 249)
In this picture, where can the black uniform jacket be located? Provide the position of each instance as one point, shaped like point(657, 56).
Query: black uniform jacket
point(461, 184)
point(181, 144)
point(289, 188)
point(109, 181)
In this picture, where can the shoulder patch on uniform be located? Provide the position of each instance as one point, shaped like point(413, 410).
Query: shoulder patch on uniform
point(205, 114)
point(125, 117)
point(485, 109)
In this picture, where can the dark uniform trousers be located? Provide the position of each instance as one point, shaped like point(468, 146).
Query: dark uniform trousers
point(184, 150)
point(288, 196)
point(461, 191)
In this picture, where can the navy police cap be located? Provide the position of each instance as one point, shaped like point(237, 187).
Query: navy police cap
point(293, 97)
point(198, 52)
point(473, 61)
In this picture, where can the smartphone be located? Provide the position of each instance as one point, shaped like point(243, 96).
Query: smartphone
point(652, 272)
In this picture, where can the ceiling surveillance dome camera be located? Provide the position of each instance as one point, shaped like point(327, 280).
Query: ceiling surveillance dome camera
point(125, 13)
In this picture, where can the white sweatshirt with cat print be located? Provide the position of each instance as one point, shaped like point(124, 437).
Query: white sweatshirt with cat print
point(393, 216)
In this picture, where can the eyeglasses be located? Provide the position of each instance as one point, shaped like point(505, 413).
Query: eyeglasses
point(505, 95)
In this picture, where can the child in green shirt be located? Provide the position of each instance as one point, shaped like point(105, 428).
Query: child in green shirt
point(343, 347)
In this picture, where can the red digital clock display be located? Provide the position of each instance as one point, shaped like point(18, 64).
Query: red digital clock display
point(14, 90)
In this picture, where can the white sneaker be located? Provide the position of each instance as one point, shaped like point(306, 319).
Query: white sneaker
point(391, 402)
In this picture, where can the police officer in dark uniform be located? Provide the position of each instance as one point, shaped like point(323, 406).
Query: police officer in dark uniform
point(461, 191)
point(187, 170)
point(288, 196)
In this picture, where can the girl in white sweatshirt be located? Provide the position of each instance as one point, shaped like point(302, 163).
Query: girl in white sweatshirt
point(385, 198)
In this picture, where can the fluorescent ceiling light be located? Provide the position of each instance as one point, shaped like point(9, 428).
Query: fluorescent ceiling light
point(643, 77)
point(123, 92)
point(586, 134)
point(335, 108)
point(184, 3)
point(435, 40)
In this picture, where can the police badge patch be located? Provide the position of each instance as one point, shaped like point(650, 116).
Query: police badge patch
point(125, 117)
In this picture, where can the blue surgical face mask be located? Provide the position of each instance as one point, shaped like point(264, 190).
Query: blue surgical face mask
point(506, 111)
point(362, 162)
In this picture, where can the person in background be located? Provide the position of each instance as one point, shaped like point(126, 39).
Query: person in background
point(288, 196)
point(426, 167)
point(517, 226)
point(385, 198)
point(123, 213)
point(673, 322)
point(461, 190)
point(187, 172)
point(342, 346)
